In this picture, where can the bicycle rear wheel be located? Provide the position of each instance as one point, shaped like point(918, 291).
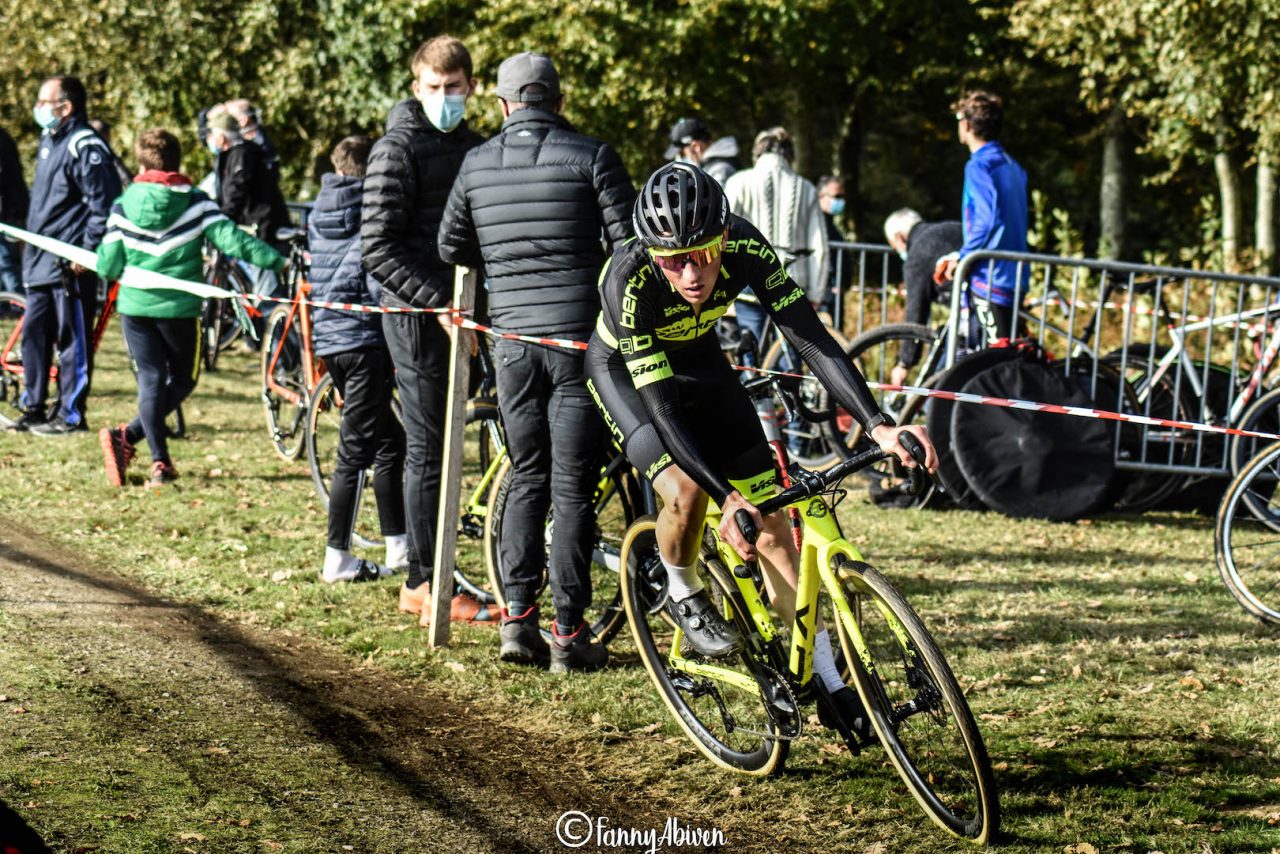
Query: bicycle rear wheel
point(1263, 416)
point(615, 510)
point(1246, 537)
point(13, 308)
point(284, 384)
point(220, 326)
point(917, 707)
point(719, 705)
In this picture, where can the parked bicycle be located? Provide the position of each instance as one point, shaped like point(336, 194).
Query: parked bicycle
point(290, 369)
point(13, 309)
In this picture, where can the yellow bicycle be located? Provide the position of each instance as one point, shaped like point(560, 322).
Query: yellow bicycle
point(743, 711)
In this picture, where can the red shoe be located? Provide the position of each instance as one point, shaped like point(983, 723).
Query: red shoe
point(465, 608)
point(411, 600)
point(117, 453)
point(162, 474)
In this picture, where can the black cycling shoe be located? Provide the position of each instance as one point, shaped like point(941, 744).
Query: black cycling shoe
point(704, 629)
point(27, 420)
point(853, 717)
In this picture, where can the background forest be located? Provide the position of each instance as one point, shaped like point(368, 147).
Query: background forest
point(1148, 128)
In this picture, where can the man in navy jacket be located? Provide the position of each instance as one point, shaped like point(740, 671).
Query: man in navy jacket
point(75, 184)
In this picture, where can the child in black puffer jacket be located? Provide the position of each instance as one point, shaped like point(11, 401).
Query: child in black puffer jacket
point(355, 353)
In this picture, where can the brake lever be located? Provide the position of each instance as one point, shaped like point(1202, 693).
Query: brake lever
point(749, 569)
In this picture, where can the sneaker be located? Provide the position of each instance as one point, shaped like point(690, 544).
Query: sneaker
point(117, 453)
point(162, 474)
point(704, 628)
point(27, 420)
point(365, 570)
point(57, 427)
point(465, 608)
point(411, 600)
point(853, 717)
point(522, 641)
point(577, 651)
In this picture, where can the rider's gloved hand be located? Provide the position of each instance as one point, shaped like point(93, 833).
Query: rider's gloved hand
point(729, 530)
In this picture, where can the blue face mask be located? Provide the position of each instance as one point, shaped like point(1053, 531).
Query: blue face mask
point(445, 111)
point(212, 147)
point(44, 116)
point(837, 207)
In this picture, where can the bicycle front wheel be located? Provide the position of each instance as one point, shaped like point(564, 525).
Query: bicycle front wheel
point(1246, 537)
point(718, 704)
point(917, 707)
point(615, 509)
point(284, 384)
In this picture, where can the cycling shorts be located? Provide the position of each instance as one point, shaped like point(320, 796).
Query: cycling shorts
point(716, 410)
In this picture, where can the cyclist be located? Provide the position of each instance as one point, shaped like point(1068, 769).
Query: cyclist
point(675, 405)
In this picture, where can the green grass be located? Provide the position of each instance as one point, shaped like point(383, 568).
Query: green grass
point(1128, 703)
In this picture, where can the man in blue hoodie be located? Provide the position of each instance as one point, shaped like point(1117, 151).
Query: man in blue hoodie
point(994, 212)
point(75, 184)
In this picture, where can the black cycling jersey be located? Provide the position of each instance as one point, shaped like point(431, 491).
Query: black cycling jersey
point(661, 337)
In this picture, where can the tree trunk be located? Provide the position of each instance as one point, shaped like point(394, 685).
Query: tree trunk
point(848, 160)
point(1232, 209)
point(1111, 202)
point(1264, 222)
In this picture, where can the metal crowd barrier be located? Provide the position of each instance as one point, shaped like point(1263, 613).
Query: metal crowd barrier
point(1193, 345)
point(865, 296)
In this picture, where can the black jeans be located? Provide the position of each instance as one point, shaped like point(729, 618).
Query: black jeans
point(555, 438)
point(370, 436)
point(163, 351)
point(419, 349)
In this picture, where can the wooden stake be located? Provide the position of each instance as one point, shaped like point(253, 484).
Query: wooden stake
point(464, 295)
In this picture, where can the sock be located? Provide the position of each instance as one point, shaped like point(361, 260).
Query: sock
point(338, 564)
point(824, 662)
point(567, 622)
point(418, 575)
point(397, 550)
point(682, 581)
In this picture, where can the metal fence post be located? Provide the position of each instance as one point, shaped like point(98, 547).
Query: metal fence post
point(464, 295)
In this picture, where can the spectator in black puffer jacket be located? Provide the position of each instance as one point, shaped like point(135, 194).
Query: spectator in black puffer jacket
point(351, 344)
point(410, 172)
point(532, 205)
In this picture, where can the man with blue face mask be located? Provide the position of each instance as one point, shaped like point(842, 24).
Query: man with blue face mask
point(411, 169)
point(75, 184)
point(920, 245)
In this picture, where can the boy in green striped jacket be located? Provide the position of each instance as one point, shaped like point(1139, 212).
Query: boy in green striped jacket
point(160, 224)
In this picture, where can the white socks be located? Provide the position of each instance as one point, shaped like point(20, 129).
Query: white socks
point(342, 565)
point(398, 551)
point(824, 663)
point(682, 581)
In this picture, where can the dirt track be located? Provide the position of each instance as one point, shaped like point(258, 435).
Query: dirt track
point(224, 712)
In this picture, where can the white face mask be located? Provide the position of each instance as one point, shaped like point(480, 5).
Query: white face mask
point(445, 111)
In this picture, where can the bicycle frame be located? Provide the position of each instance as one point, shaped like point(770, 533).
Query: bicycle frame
point(12, 343)
point(313, 368)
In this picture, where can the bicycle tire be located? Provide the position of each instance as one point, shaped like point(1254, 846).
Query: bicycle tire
point(1263, 416)
point(286, 419)
point(220, 325)
point(13, 308)
point(644, 596)
point(915, 703)
point(615, 511)
point(811, 446)
point(1248, 527)
point(874, 353)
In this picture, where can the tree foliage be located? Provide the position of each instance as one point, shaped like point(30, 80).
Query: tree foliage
point(863, 86)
